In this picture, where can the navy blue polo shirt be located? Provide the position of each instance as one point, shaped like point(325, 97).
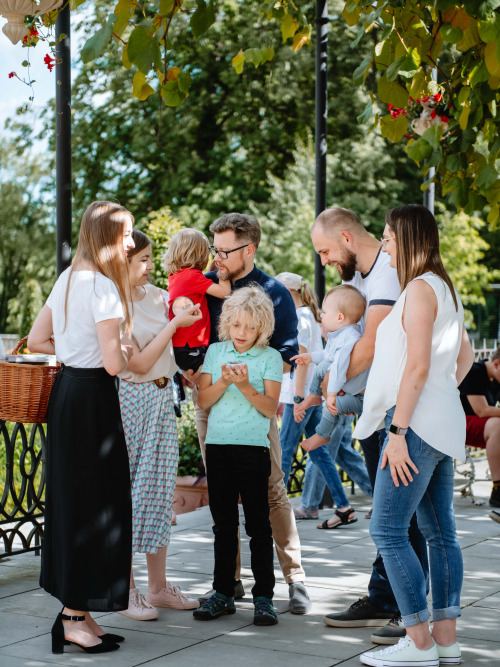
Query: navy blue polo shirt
point(284, 338)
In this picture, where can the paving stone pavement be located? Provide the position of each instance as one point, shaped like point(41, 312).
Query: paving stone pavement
point(337, 565)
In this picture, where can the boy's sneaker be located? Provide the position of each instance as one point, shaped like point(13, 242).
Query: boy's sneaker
point(495, 497)
point(391, 633)
point(171, 597)
point(403, 654)
point(264, 612)
point(138, 608)
point(216, 606)
point(361, 614)
point(449, 655)
point(239, 592)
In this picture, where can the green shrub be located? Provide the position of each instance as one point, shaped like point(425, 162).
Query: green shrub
point(190, 461)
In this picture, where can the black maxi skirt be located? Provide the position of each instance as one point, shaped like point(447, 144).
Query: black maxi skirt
point(87, 543)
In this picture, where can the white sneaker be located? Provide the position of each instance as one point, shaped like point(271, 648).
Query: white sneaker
point(449, 655)
point(171, 597)
point(138, 608)
point(403, 654)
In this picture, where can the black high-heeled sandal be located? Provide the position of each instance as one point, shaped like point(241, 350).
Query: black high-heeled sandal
point(107, 637)
point(59, 640)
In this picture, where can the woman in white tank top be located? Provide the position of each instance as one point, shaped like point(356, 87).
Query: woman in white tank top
point(422, 353)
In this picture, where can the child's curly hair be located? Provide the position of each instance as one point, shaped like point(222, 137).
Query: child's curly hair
point(255, 306)
point(188, 249)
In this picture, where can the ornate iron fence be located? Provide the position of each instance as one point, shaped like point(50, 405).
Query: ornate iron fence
point(22, 476)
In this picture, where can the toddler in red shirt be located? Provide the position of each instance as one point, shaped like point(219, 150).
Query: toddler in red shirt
point(186, 258)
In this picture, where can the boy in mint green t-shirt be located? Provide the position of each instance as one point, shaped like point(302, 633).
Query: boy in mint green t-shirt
point(240, 385)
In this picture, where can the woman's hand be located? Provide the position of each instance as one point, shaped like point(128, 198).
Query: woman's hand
point(187, 317)
point(396, 454)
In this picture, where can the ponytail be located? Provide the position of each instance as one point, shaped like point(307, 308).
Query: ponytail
point(310, 300)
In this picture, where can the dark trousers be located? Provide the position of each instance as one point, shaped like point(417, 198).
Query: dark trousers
point(234, 471)
point(379, 588)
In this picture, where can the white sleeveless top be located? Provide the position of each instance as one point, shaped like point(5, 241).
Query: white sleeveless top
point(149, 319)
point(438, 417)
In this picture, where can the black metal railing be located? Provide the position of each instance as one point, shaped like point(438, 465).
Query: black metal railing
point(22, 476)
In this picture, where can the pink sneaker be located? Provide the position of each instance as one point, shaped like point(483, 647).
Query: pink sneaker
point(138, 608)
point(171, 597)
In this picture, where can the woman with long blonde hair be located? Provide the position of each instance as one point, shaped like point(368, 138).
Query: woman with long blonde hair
point(422, 353)
point(87, 537)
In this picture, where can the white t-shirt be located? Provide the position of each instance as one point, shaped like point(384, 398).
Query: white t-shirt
point(149, 319)
point(309, 336)
point(380, 285)
point(92, 298)
point(438, 417)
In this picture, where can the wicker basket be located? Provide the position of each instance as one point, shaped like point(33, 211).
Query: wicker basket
point(25, 390)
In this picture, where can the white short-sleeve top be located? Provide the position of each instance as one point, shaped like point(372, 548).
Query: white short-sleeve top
point(438, 417)
point(149, 319)
point(309, 336)
point(92, 298)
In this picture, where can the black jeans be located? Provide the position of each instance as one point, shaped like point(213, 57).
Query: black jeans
point(233, 471)
point(379, 588)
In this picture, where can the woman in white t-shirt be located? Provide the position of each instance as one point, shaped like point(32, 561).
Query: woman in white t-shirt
point(88, 516)
point(151, 432)
point(422, 353)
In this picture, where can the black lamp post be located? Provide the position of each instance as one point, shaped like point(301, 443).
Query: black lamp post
point(321, 115)
point(63, 140)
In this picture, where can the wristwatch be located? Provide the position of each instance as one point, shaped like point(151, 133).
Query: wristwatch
point(298, 399)
point(397, 430)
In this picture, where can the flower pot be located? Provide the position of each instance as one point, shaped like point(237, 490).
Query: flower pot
point(190, 495)
point(15, 11)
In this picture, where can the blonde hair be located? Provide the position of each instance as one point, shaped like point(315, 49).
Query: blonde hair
point(311, 301)
point(349, 301)
point(255, 305)
point(188, 249)
point(101, 243)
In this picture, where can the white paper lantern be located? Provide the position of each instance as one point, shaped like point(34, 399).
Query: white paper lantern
point(15, 11)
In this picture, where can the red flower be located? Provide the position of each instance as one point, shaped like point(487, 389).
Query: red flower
point(444, 119)
point(12, 75)
point(408, 136)
point(389, 106)
point(411, 100)
point(425, 99)
point(50, 62)
point(437, 97)
point(433, 114)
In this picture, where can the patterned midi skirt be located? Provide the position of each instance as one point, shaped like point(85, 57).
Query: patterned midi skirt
point(153, 450)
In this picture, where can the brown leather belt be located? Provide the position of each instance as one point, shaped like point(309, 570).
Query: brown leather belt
point(161, 383)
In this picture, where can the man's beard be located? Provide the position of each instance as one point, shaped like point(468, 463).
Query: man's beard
point(347, 267)
point(225, 274)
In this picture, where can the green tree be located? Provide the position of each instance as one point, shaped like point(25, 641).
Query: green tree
point(451, 124)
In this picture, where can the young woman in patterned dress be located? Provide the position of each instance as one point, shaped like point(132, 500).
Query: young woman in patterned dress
point(151, 432)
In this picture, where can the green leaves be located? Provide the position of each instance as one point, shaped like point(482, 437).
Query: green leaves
point(143, 50)
point(95, 46)
point(393, 129)
point(255, 56)
point(202, 18)
point(392, 93)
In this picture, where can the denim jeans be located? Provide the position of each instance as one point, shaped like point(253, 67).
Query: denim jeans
point(319, 373)
point(345, 456)
point(431, 496)
point(345, 403)
point(291, 433)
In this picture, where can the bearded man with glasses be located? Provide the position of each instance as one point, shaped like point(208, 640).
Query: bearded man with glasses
point(236, 239)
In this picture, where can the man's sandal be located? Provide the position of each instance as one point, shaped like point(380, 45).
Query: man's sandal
point(344, 519)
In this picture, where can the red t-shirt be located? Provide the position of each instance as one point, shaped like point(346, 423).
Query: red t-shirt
point(193, 284)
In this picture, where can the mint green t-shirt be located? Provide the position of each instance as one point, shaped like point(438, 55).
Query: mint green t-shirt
point(233, 420)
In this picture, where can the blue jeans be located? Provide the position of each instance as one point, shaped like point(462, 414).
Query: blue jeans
point(290, 434)
point(345, 403)
point(345, 456)
point(431, 496)
point(379, 588)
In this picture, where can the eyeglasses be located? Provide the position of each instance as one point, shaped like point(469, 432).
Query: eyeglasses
point(224, 253)
point(385, 241)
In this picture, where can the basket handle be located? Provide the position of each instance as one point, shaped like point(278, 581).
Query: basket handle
point(19, 345)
